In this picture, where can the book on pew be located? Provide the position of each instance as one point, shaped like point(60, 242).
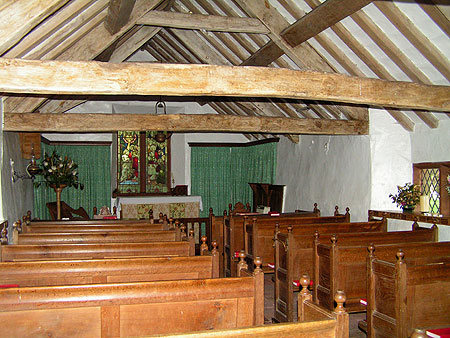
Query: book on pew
point(439, 333)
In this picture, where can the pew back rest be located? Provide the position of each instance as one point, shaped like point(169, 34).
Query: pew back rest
point(90, 251)
point(258, 241)
point(94, 228)
point(51, 273)
point(130, 309)
point(99, 237)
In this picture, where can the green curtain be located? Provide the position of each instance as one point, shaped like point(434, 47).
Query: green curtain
point(254, 164)
point(221, 175)
point(94, 171)
point(210, 178)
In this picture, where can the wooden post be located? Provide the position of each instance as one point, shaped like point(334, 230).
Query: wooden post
point(58, 190)
point(342, 326)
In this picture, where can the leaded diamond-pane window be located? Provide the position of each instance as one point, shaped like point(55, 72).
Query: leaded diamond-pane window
point(429, 181)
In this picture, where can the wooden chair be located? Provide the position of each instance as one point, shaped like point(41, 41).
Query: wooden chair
point(67, 211)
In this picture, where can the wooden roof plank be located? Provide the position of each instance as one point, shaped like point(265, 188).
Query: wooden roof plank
point(416, 37)
point(19, 17)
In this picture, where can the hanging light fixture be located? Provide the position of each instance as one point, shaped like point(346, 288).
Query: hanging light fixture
point(160, 135)
point(31, 170)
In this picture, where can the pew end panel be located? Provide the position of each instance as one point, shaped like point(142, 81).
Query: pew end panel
point(407, 294)
point(342, 263)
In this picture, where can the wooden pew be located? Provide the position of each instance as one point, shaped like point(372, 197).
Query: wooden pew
point(293, 253)
point(133, 309)
point(17, 252)
point(259, 240)
point(142, 269)
point(99, 237)
point(409, 290)
point(340, 263)
point(234, 221)
point(314, 322)
point(236, 228)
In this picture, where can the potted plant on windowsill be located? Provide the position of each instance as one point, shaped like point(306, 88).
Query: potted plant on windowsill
point(407, 197)
point(59, 172)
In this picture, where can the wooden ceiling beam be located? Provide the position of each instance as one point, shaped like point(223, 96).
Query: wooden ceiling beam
point(320, 18)
point(179, 123)
point(127, 48)
point(98, 78)
point(304, 56)
point(308, 26)
point(214, 23)
point(134, 42)
point(19, 17)
point(372, 62)
point(119, 12)
point(89, 46)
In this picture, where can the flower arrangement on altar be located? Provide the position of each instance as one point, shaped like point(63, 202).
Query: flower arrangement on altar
point(59, 171)
point(407, 197)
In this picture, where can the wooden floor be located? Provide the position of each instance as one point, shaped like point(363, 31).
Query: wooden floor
point(269, 309)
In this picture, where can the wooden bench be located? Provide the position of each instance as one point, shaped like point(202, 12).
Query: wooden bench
point(313, 322)
point(235, 232)
point(99, 237)
point(340, 263)
point(133, 309)
point(259, 240)
point(18, 252)
point(409, 290)
point(142, 269)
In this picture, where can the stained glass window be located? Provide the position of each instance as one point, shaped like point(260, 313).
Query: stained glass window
point(143, 163)
point(156, 164)
point(128, 162)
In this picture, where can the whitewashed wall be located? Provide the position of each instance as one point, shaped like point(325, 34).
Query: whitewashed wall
point(17, 198)
point(329, 170)
point(391, 163)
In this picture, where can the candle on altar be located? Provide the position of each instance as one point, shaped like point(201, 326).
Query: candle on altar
point(424, 203)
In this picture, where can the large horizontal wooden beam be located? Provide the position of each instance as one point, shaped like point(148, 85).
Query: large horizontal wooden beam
point(179, 123)
point(96, 78)
point(199, 21)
